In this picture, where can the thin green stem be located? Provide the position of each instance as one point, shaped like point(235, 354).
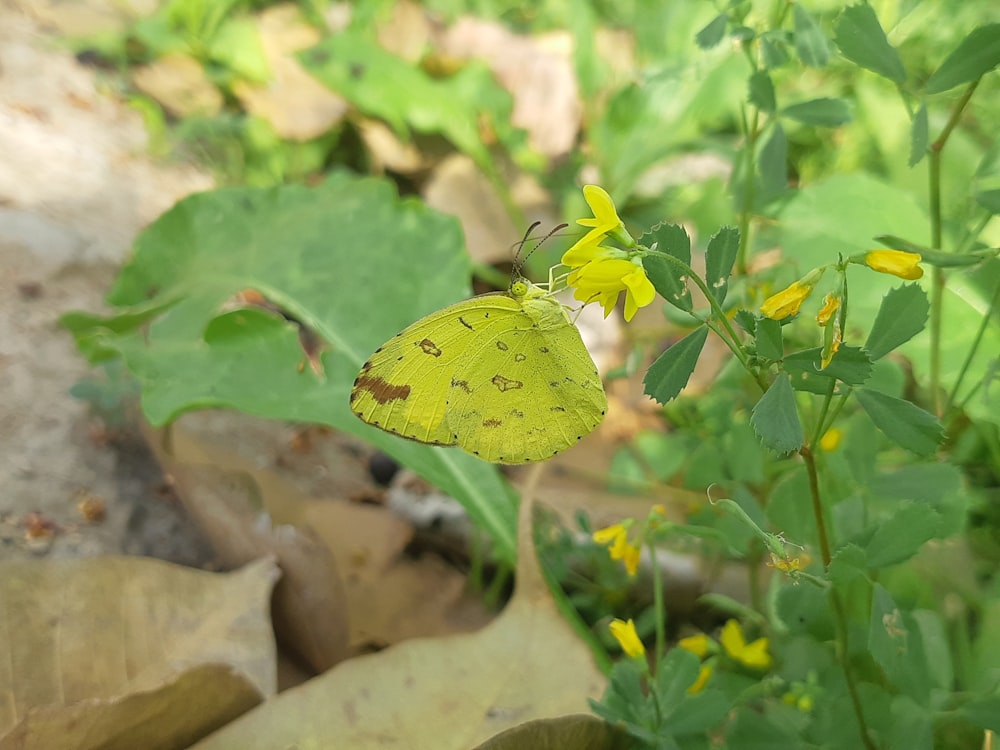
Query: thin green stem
point(824, 409)
point(984, 324)
point(660, 612)
point(840, 616)
point(730, 337)
point(746, 210)
point(938, 278)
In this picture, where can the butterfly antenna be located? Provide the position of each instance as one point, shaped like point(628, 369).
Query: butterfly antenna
point(520, 261)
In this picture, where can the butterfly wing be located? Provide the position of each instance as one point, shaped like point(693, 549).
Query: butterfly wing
point(529, 389)
point(403, 388)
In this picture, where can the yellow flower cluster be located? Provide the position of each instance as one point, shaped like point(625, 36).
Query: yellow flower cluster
point(601, 273)
point(733, 644)
point(620, 548)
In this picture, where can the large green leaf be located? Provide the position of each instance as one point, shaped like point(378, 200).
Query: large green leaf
point(902, 315)
point(668, 375)
point(904, 423)
point(775, 418)
point(348, 259)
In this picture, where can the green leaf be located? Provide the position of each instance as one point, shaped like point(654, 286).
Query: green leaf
point(895, 642)
point(902, 315)
point(237, 46)
point(862, 41)
point(986, 181)
point(775, 418)
point(712, 33)
point(761, 91)
point(667, 278)
point(683, 713)
point(671, 371)
point(978, 54)
point(773, 49)
point(299, 247)
point(905, 424)
point(824, 112)
point(983, 712)
point(719, 258)
point(773, 162)
point(769, 343)
point(900, 536)
point(382, 85)
point(850, 364)
point(919, 135)
point(811, 43)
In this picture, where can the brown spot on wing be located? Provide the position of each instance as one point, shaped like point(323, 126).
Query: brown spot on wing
point(465, 323)
point(519, 357)
point(506, 384)
point(429, 347)
point(382, 391)
point(501, 346)
point(463, 384)
point(492, 422)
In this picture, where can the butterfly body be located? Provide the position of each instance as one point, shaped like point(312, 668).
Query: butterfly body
point(504, 376)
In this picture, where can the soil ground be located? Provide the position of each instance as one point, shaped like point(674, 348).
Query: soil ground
point(76, 186)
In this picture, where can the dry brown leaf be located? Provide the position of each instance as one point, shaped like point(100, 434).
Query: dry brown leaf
point(88, 18)
point(563, 733)
point(298, 106)
point(192, 705)
point(387, 150)
point(309, 611)
point(458, 187)
point(124, 631)
point(178, 82)
point(546, 96)
point(439, 693)
point(384, 596)
point(407, 31)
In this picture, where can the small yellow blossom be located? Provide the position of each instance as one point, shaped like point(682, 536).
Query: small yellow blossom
point(619, 547)
point(605, 277)
point(699, 645)
point(786, 564)
point(624, 632)
point(786, 302)
point(606, 221)
point(831, 439)
point(630, 558)
point(897, 262)
point(703, 674)
point(832, 340)
point(751, 655)
point(831, 303)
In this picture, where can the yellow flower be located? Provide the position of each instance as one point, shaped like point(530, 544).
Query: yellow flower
point(831, 303)
point(786, 302)
point(624, 632)
point(703, 674)
point(897, 262)
point(698, 645)
point(752, 655)
point(787, 564)
point(831, 439)
point(616, 537)
point(831, 344)
point(605, 276)
point(606, 221)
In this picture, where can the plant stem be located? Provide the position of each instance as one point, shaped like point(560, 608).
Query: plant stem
point(660, 613)
point(838, 606)
point(987, 316)
point(731, 339)
point(746, 210)
point(938, 277)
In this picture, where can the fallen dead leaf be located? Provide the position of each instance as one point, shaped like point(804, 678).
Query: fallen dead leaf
point(178, 82)
point(88, 18)
point(543, 84)
point(565, 732)
point(97, 642)
point(406, 32)
point(438, 693)
point(309, 611)
point(370, 586)
point(458, 187)
point(296, 105)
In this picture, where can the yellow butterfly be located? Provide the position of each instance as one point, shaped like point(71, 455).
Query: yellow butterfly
point(505, 376)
